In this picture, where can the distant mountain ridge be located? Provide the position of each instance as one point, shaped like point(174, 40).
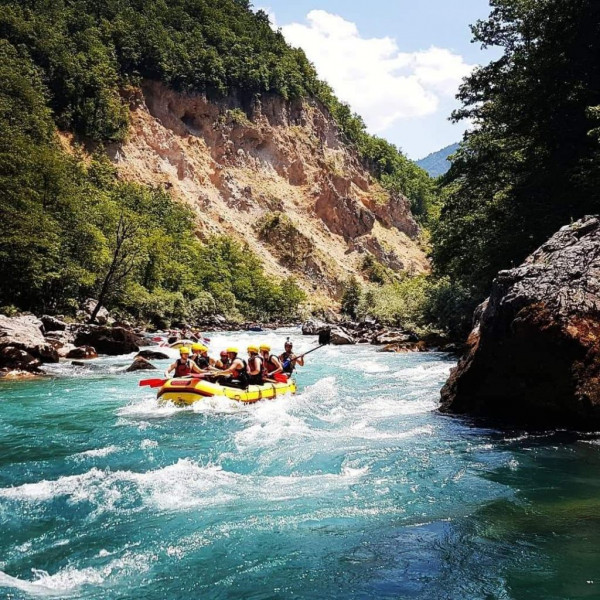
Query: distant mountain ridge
point(437, 163)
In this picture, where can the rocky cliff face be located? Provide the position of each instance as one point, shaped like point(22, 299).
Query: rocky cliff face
point(234, 164)
point(534, 354)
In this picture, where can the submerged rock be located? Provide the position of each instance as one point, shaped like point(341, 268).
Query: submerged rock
point(534, 355)
point(140, 364)
point(152, 354)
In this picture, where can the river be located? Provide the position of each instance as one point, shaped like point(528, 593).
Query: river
point(354, 488)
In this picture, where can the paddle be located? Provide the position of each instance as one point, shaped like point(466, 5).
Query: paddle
point(324, 340)
point(160, 382)
point(153, 382)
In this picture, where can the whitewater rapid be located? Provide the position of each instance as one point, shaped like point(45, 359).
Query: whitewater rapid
point(355, 487)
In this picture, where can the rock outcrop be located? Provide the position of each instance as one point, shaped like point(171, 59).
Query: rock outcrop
point(108, 340)
point(83, 352)
point(534, 354)
point(152, 355)
point(340, 337)
point(22, 344)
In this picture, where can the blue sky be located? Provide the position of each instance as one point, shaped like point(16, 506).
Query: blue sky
point(397, 63)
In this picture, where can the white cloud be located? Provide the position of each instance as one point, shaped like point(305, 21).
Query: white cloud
point(380, 82)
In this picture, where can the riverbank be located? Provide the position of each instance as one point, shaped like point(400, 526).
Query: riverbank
point(27, 342)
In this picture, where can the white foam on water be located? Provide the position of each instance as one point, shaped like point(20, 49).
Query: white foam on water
point(149, 407)
point(219, 405)
point(63, 582)
point(146, 444)
point(179, 486)
point(68, 581)
point(368, 366)
point(431, 372)
point(96, 452)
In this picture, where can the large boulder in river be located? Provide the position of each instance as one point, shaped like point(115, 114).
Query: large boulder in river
point(534, 354)
point(83, 352)
point(152, 354)
point(313, 327)
point(25, 333)
point(17, 359)
point(140, 364)
point(340, 337)
point(108, 340)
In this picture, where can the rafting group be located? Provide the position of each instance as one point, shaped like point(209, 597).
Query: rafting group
point(233, 371)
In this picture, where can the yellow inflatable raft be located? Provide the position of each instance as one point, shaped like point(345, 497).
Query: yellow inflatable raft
point(187, 391)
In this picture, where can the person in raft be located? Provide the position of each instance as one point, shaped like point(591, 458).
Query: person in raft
point(223, 362)
point(201, 358)
point(236, 374)
point(183, 366)
point(289, 360)
point(255, 366)
point(272, 368)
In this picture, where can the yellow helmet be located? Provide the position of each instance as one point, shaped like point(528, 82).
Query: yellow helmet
point(184, 350)
point(253, 348)
point(199, 348)
point(265, 347)
point(232, 349)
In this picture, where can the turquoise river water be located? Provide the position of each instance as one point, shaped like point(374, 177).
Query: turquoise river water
point(354, 488)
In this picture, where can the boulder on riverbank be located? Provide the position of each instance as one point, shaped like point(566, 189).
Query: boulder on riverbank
point(340, 337)
point(108, 340)
point(534, 354)
point(22, 344)
point(313, 327)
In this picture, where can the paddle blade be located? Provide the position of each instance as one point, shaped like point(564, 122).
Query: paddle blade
point(325, 337)
point(153, 382)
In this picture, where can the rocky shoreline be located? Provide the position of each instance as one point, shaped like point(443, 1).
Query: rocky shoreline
point(27, 342)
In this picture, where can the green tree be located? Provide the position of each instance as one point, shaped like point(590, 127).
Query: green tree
point(351, 297)
point(529, 165)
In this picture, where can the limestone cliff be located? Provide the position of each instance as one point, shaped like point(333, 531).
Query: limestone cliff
point(238, 164)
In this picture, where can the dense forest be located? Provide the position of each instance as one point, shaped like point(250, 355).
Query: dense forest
point(70, 228)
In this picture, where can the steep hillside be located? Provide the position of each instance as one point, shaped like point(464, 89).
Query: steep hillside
point(437, 163)
point(214, 125)
point(277, 177)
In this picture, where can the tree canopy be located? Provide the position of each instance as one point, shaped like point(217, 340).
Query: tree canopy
point(531, 162)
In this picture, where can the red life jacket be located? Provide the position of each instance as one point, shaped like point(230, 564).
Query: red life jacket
point(268, 365)
point(182, 369)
